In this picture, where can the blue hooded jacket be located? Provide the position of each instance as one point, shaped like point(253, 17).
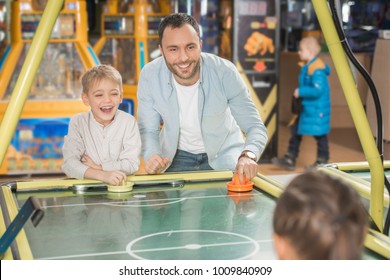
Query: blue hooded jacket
point(316, 105)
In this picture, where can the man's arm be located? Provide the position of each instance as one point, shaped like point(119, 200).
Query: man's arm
point(148, 118)
point(245, 113)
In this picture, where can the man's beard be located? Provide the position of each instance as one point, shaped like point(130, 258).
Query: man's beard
point(191, 75)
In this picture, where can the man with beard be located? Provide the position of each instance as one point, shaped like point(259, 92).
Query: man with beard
point(193, 108)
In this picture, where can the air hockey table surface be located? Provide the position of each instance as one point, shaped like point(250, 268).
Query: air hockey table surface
point(171, 216)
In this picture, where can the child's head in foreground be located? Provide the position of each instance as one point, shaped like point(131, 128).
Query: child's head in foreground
point(319, 217)
point(309, 47)
point(102, 91)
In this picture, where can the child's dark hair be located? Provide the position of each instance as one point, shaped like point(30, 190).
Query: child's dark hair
point(321, 217)
point(175, 21)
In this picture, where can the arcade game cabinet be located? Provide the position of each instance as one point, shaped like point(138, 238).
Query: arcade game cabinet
point(55, 93)
point(255, 53)
point(3, 30)
point(129, 40)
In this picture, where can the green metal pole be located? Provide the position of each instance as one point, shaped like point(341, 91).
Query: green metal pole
point(27, 74)
point(356, 108)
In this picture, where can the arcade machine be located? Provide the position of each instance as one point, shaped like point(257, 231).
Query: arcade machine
point(206, 13)
point(255, 53)
point(130, 40)
point(3, 30)
point(55, 93)
point(225, 34)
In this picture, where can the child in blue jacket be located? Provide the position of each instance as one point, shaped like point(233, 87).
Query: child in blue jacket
point(314, 118)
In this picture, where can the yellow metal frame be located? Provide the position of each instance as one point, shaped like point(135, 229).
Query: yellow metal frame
point(187, 176)
point(17, 42)
point(362, 186)
point(3, 227)
point(27, 74)
point(11, 111)
point(42, 185)
point(21, 238)
point(268, 185)
point(378, 243)
point(356, 108)
point(357, 166)
point(375, 241)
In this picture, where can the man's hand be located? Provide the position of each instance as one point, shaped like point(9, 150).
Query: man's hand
point(246, 169)
point(156, 164)
point(259, 43)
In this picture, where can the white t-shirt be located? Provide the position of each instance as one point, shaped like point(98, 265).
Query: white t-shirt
point(190, 138)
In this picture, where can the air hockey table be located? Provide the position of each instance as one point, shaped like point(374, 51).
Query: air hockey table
point(170, 216)
point(357, 174)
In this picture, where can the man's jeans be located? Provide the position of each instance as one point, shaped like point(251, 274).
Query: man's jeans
point(185, 161)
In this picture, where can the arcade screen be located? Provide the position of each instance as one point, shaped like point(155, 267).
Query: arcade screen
point(64, 28)
point(119, 25)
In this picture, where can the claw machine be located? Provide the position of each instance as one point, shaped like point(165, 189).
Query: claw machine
point(54, 97)
point(129, 40)
point(255, 53)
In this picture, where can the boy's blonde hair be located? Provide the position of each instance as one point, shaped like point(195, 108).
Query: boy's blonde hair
point(312, 44)
point(97, 74)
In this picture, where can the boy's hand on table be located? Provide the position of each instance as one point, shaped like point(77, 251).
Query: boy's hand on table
point(114, 178)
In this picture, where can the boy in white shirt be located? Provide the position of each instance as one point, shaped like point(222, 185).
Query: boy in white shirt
point(103, 144)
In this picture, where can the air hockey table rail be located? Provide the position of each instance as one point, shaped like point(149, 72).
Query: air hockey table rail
point(188, 215)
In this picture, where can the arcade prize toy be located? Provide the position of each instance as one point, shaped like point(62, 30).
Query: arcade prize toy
point(55, 92)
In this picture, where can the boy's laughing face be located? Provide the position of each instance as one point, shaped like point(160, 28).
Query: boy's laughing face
point(104, 98)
